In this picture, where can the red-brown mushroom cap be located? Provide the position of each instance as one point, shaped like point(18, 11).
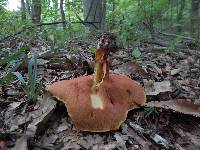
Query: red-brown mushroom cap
point(99, 110)
point(100, 102)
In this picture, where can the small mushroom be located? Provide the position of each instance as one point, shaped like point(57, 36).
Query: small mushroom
point(99, 102)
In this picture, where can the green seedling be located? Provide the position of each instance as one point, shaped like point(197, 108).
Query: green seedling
point(10, 63)
point(136, 53)
point(30, 87)
point(151, 112)
point(92, 50)
point(13, 56)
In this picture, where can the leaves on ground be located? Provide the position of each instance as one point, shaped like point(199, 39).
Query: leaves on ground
point(170, 118)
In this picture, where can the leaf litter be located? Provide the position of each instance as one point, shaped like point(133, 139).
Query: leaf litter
point(171, 81)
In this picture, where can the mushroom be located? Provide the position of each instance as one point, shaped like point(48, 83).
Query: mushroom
point(99, 102)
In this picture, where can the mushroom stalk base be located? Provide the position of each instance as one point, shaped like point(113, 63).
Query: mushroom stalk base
point(101, 66)
point(98, 76)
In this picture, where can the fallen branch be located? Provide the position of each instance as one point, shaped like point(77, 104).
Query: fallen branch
point(44, 24)
point(166, 45)
point(178, 36)
point(163, 43)
point(160, 48)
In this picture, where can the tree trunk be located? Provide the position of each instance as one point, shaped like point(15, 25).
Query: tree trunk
point(23, 10)
point(55, 4)
point(94, 11)
point(62, 15)
point(180, 14)
point(36, 11)
point(149, 19)
point(113, 15)
point(194, 17)
point(28, 8)
point(68, 6)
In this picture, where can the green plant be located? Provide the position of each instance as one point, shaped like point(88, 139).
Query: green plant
point(136, 53)
point(13, 56)
point(151, 112)
point(92, 50)
point(10, 63)
point(31, 86)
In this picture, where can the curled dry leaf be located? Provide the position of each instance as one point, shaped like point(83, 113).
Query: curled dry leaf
point(184, 107)
point(45, 105)
point(39, 118)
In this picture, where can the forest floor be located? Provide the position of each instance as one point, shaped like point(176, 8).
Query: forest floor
point(170, 119)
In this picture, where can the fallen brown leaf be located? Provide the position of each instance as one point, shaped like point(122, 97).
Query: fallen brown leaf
point(185, 108)
point(155, 88)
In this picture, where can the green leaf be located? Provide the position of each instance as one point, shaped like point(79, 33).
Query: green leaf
point(6, 79)
point(8, 76)
point(92, 50)
point(136, 53)
point(20, 77)
point(12, 56)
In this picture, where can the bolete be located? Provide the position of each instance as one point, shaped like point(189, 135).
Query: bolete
point(99, 102)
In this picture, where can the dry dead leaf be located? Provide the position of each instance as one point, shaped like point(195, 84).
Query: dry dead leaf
point(153, 136)
point(42, 62)
point(194, 139)
point(142, 142)
point(154, 88)
point(91, 140)
point(120, 141)
point(185, 108)
point(157, 69)
point(129, 68)
point(21, 143)
point(111, 145)
point(63, 126)
point(175, 71)
point(191, 138)
point(14, 92)
point(50, 140)
point(39, 116)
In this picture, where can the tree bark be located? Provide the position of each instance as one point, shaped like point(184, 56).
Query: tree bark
point(28, 8)
point(180, 14)
point(23, 10)
point(62, 15)
point(95, 11)
point(68, 6)
point(36, 11)
point(194, 17)
point(113, 15)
